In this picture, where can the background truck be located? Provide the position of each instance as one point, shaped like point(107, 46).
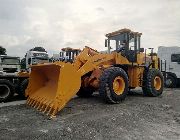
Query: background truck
point(36, 57)
point(12, 79)
point(9, 69)
point(9, 65)
point(170, 65)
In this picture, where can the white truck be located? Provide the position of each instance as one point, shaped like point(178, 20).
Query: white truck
point(36, 57)
point(11, 81)
point(9, 65)
point(170, 65)
point(9, 69)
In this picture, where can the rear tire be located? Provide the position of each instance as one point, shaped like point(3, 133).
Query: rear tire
point(113, 85)
point(153, 83)
point(7, 90)
point(171, 82)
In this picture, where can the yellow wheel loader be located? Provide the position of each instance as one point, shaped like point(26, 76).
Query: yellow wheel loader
point(112, 73)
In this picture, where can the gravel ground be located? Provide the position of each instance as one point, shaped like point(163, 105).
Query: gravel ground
point(137, 117)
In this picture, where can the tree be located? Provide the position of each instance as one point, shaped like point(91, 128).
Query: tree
point(2, 51)
point(40, 49)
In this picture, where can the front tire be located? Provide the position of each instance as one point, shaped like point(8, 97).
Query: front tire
point(113, 85)
point(7, 90)
point(153, 83)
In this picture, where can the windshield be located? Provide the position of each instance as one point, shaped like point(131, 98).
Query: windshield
point(175, 57)
point(37, 60)
point(11, 61)
point(41, 55)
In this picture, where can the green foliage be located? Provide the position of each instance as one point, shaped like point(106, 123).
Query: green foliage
point(2, 51)
point(40, 49)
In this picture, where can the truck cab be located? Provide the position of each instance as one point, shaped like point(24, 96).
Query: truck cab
point(9, 66)
point(36, 57)
point(170, 64)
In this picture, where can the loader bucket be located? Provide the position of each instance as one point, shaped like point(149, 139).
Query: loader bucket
point(51, 86)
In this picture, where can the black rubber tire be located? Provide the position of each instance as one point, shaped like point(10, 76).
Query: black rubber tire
point(171, 82)
point(85, 92)
point(10, 90)
point(148, 83)
point(22, 87)
point(106, 85)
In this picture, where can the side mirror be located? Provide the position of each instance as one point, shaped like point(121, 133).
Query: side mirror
point(106, 43)
point(141, 49)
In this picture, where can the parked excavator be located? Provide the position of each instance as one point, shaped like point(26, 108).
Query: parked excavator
point(51, 86)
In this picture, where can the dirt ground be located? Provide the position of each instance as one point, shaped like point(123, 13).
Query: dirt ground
point(138, 117)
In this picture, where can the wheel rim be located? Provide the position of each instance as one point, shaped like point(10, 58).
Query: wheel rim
point(157, 83)
point(4, 91)
point(118, 85)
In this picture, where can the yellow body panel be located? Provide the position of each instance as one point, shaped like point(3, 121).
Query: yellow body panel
point(135, 76)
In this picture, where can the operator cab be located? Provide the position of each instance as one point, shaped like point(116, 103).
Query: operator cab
point(68, 54)
point(126, 42)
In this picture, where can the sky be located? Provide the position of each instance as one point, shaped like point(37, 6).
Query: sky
point(55, 24)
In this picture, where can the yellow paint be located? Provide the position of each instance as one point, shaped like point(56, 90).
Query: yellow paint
point(135, 76)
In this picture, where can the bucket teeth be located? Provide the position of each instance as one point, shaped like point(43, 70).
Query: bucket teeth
point(28, 100)
point(35, 104)
point(49, 112)
point(38, 106)
point(31, 102)
point(42, 109)
point(45, 109)
point(53, 113)
point(43, 105)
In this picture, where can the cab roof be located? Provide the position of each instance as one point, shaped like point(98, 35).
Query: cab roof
point(70, 49)
point(6, 56)
point(121, 31)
